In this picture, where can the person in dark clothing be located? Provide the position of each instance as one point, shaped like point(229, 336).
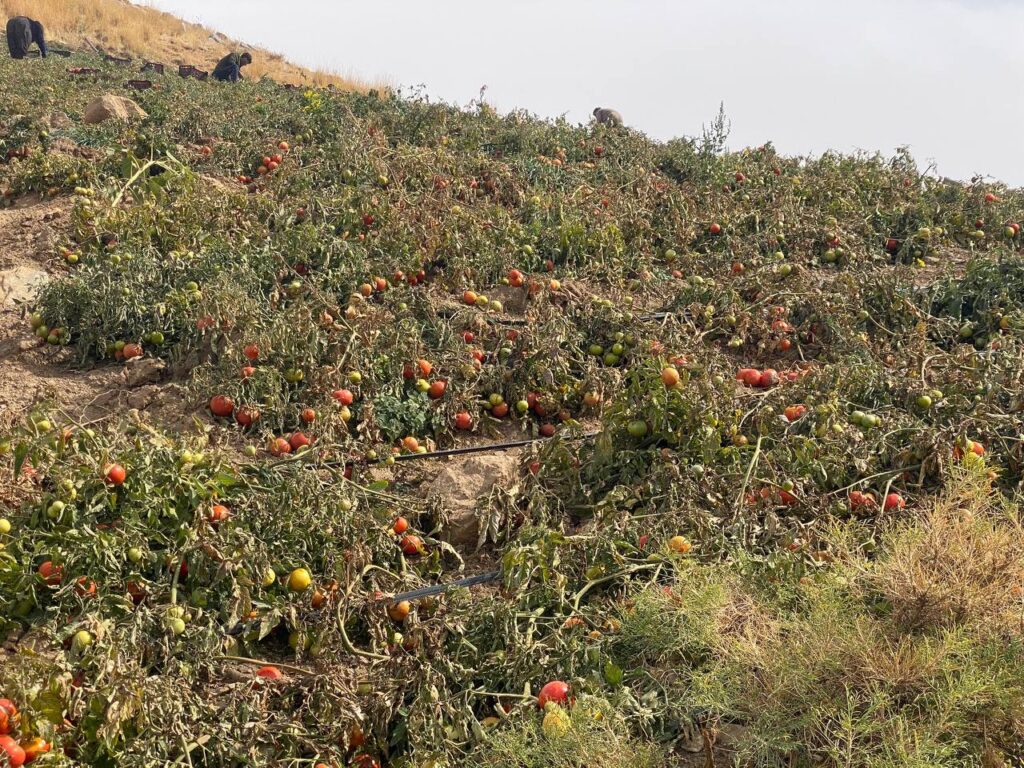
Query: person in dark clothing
point(229, 69)
point(21, 33)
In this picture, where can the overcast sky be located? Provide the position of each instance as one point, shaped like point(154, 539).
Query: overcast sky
point(942, 76)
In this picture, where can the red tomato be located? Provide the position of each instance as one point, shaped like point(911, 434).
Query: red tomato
point(8, 716)
point(221, 405)
point(437, 389)
point(400, 526)
point(411, 545)
point(343, 396)
point(269, 673)
point(246, 415)
point(115, 474)
point(547, 430)
point(555, 691)
point(894, 501)
point(251, 351)
point(85, 587)
point(463, 421)
point(795, 412)
point(299, 440)
point(769, 378)
point(751, 377)
point(787, 498)
point(364, 761)
point(15, 754)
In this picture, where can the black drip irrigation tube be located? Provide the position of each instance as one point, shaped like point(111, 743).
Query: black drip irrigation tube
point(439, 589)
point(415, 594)
point(483, 578)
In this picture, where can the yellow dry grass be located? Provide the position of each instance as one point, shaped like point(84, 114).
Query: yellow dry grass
point(121, 28)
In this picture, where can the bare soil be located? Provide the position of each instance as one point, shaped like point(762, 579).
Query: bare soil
point(33, 372)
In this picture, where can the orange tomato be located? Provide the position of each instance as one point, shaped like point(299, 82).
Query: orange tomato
point(219, 513)
point(399, 611)
point(34, 748)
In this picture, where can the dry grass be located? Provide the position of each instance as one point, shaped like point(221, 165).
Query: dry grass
point(118, 27)
point(963, 562)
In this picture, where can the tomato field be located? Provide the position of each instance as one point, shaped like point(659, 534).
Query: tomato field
point(767, 413)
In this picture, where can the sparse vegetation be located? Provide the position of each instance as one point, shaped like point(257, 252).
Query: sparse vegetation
point(771, 516)
point(122, 28)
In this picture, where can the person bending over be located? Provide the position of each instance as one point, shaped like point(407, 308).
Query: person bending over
point(229, 69)
point(22, 32)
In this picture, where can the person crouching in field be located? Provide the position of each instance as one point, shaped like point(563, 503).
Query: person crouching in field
point(21, 33)
point(229, 69)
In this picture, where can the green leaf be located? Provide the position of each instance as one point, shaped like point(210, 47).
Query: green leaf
point(612, 674)
point(20, 454)
point(379, 485)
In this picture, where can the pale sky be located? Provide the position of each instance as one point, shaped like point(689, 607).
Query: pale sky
point(941, 76)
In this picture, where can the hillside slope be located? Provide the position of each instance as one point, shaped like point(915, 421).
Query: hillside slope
point(122, 28)
point(760, 506)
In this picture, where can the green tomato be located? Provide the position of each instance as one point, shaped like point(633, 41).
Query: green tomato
point(175, 626)
point(637, 428)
